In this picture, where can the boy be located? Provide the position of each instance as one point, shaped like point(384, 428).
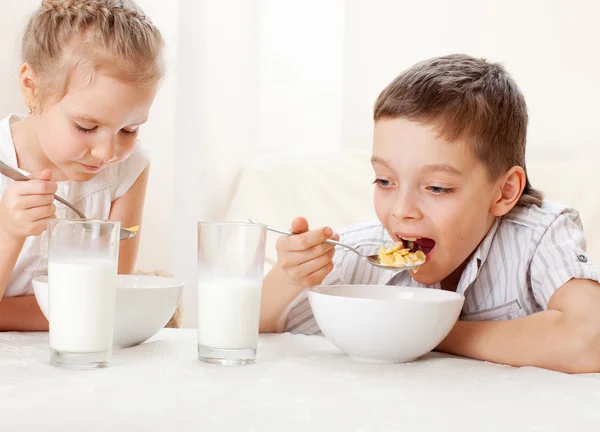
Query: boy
point(449, 163)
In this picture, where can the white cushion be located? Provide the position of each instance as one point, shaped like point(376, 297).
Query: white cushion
point(336, 189)
point(575, 183)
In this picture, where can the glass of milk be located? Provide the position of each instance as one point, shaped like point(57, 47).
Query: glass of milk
point(230, 273)
point(82, 284)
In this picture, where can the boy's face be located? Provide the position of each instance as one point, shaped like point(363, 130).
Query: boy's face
point(434, 190)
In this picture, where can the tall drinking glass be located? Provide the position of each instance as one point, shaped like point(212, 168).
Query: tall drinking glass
point(83, 258)
point(230, 273)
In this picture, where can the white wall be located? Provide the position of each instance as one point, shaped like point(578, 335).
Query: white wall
point(251, 76)
point(13, 19)
point(301, 69)
point(550, 48)
point(158, 137)
point(217, 100)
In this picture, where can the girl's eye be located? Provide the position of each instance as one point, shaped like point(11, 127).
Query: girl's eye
point(130, 132)
point(84, 130)
point(438, 190)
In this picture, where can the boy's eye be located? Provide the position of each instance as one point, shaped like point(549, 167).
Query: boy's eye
point(382, 183)
point(438, 190)
point(84, 130)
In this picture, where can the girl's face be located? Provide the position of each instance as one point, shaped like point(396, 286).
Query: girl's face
point(92, 126)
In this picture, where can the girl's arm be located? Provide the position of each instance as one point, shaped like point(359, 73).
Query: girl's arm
point(21, 314)
point(16, 313)
point(24, 211)
point(10, 248)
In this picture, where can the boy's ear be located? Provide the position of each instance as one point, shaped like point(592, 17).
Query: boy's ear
point(28, 81)
point(510, 188)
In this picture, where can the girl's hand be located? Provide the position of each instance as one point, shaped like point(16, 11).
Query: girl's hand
point(26, 206)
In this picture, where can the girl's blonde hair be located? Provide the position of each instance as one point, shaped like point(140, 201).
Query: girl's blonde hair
point(64, 36)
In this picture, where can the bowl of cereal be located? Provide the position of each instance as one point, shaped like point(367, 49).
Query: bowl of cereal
point(144, 305)
point(392, 324)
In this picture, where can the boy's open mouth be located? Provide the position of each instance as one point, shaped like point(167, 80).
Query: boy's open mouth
point(417, 244)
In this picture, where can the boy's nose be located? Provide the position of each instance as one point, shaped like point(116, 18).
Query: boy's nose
point(406, 207)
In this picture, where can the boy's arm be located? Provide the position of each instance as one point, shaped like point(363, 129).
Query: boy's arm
point(128, 209)
point(565, 338)
point(21, 314)
point(303, 260)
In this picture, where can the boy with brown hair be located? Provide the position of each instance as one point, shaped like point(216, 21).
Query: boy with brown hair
point(449, 163)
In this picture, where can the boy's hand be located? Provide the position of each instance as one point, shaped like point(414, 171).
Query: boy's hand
point(26, 206)
point(304, 256)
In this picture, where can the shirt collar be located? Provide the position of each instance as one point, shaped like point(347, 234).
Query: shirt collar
point(478, 258)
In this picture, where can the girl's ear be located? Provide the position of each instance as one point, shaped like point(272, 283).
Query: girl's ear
point(28, 81)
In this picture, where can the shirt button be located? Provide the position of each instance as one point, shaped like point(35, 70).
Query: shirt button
point(582, 258)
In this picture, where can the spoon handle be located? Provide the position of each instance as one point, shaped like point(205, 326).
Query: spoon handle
point(281, 231)
point(71, 206)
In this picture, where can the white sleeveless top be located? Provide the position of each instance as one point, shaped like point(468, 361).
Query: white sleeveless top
point(94, 198)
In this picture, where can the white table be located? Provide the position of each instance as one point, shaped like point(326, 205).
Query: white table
point(300, 383)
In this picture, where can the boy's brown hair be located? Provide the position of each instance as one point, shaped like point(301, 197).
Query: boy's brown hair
point(466, 98)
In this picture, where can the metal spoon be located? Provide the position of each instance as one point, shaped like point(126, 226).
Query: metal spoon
point(371, 259)
point(12, 173)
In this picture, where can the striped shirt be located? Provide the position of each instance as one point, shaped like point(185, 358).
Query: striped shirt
point(526, 256)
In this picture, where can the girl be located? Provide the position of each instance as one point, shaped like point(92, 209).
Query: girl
point(90, 72)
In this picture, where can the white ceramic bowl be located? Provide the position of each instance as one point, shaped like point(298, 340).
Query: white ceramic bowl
point(144, 304)
point(384, 323)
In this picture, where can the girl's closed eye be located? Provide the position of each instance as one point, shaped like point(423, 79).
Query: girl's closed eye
point(130, 131)
point(90, 130)
point(440, 190)
point(85, 130)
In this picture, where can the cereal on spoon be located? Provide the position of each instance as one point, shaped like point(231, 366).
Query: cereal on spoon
point(399, 256)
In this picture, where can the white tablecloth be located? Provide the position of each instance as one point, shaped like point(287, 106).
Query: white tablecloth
point(299, 383)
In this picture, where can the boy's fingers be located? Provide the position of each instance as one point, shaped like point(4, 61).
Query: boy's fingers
point(295, 258)
point(317, 277)
point(302, 242)
point(299, 225)
point(305, 269)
